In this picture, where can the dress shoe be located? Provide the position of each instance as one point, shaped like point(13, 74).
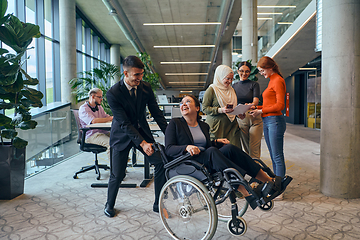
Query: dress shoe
point(110, 212)
point(156, 208)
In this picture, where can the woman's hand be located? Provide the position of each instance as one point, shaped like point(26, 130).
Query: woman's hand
point(226, 110)
point(255, 112)
point(223, 141)
point(193, 150)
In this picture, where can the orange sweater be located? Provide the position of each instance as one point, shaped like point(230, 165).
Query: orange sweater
point(274, 96)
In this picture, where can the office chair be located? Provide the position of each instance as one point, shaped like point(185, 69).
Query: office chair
point(88, 147)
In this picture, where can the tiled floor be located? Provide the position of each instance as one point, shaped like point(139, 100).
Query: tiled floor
point(56, 206)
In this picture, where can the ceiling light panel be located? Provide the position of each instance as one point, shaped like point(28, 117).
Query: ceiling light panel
point(181, 24)
point(186, 46)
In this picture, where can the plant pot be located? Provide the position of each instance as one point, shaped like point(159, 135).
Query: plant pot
point(12, 171)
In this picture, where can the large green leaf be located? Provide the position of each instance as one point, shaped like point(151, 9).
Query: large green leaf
point(19, 143)
point(9, 70)
point(30, 31)
point(3, 7)
point(33, 95)
point(4, 120)
point(8, 96)
point(4, 105)
point(6, 81)
point(31, 124)
point(16, 86)
point(30, 80)
point(8, 133)
point(4, 19)
point(9, 38)
point(3, 50)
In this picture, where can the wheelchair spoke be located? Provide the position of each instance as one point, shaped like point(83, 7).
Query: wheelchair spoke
point(191, 215)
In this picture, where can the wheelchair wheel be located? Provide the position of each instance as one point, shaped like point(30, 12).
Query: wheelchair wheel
point(267, 206)
point(224, 208)
point(187, 210)
point(237, 228)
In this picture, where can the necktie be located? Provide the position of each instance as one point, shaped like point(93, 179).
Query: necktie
point(132, 94)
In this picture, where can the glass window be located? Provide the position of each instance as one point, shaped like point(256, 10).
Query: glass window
point(49, 71)
point(11, 8)
point(30, 11)
point(31, 60)
point(48, 18)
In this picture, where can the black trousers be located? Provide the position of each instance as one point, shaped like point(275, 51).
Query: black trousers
point(118, 166)
point(228, 156)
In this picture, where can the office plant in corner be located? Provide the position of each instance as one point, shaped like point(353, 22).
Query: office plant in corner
point(17, 95)
point(100, 77)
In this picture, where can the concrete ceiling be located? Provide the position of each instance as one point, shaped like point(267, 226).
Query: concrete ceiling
point(227, 12)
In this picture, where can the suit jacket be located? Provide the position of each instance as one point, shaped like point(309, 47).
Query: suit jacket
point(130, 115)
point(178, 136)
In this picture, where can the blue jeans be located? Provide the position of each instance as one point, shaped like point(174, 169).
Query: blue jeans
point(274, 129)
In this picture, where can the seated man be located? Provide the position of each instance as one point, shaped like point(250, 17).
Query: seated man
point(92, 112)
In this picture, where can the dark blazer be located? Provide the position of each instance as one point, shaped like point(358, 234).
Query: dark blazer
point(178, 136)
point(129, 115)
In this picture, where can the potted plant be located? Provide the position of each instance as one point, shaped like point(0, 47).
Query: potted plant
point(98, 77)
point(17, 98)
point(101, 78)
point(253, 71)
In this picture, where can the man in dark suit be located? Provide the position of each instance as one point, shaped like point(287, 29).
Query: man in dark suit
point(127, 100)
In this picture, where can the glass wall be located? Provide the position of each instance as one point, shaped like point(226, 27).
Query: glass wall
point(314, 99)
point(55, 126)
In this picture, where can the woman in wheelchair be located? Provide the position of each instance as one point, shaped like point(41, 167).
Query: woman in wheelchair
point(191, 134)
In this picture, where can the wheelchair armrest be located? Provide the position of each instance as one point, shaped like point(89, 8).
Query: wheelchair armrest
point(177, 160)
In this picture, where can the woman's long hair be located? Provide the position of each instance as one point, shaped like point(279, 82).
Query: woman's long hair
point(268, 62)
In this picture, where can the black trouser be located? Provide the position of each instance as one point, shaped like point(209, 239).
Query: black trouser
point(228, 156)
point(118, 166)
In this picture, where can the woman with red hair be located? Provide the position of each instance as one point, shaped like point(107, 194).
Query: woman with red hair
point(273, 120)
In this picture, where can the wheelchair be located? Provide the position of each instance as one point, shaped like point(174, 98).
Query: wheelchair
point(193, 199)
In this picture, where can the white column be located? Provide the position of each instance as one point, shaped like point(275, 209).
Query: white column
point(115, 58)
point(67, 24)
point(340, 99)
point(227, 54)
point(249, 30)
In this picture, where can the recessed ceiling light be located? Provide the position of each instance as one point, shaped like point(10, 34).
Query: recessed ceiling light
point(184, 46)
point(185, 91)
point(285, 23)
point(186, 74)
point(185, 62)
point(184, 24)
point(284, 6)
point(269, 13)
point(261, 18)
point(264, 18)
point(307, 68)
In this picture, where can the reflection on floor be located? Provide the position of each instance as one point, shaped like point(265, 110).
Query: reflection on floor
point(56, 206)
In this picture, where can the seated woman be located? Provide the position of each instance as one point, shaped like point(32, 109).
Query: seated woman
point(190, 134)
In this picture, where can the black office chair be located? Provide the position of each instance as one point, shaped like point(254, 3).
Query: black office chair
point(88, 147)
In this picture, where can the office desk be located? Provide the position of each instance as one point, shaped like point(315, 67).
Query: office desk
point(146, 165)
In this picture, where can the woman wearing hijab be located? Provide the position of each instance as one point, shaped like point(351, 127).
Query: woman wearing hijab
point(219, 100)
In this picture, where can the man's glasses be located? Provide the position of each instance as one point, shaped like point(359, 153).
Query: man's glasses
point(242, 71)
point(101, 97)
